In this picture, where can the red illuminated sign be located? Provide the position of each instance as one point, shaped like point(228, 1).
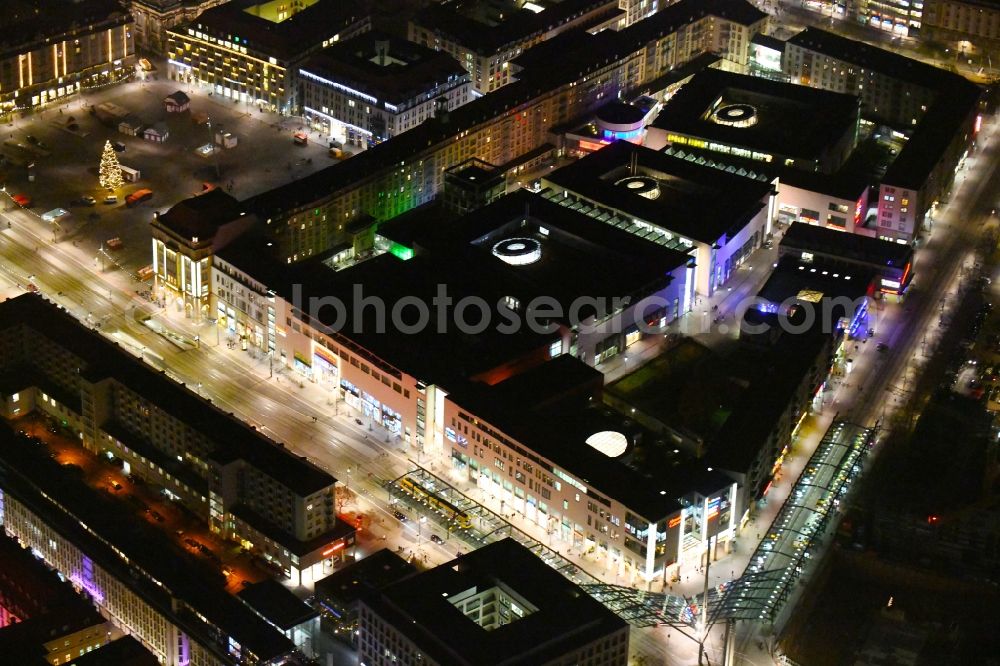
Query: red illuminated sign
point(333, 549)
point(590, 145)
point(674, 522)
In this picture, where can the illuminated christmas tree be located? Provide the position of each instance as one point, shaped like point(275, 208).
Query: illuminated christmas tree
point(111, 171)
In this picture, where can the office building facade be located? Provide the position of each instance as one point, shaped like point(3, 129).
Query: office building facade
point(370, 88)
point(54, 50)
point(250, 52)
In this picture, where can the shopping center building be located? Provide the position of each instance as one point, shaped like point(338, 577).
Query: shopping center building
point(718, 218)
point(759, 119)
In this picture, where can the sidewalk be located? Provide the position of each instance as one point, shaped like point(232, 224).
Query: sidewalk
point(700, 323)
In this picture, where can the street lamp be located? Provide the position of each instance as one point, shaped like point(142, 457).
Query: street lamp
point(211, 143)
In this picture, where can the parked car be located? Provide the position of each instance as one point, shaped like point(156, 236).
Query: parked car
point(138, 197)
point(33, 140)
point(86, 200)
point(881, 347)
point(436, 539)
point(118, 146)
point(400, 516)
point(22, 200)
point(111, 199)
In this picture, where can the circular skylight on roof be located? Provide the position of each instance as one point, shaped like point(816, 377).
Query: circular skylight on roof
point(736, 115)
point(610, 443)
point(518, 251)
point(644, 186)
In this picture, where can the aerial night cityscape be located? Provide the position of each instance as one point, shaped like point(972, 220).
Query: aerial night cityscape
point(499, 333)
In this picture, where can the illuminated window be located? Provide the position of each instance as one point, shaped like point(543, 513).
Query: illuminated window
point(16, 397)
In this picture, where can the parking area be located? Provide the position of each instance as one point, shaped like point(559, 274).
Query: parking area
point(106, 474)
point(64, 144)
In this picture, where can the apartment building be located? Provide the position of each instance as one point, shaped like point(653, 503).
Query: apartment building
point(893, 89)
point(131, 571)
point(246, 488)
point(370, 88)
point(485, 37)
point(971, 23)
point(53, 50)
point(154, 17)
point(936, 110)
point(250, 51)
point(510, 129)
point(42, 618)
point(449, 615)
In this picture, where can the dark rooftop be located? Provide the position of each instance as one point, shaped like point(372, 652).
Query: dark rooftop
point(277, 604)
point(952, 108)
point(340, 531)
point(775, 377)
point(580, 256)
point(431, 355)
point(957, 99)
point(790, 119)
point(592, 52)
point(45, 606)
point(420, 607)
point(289, 39)
point(769, 42)
point(620, 113)
point(795, 282)
point(554, 408)
point(179, 96)
point(165, 576)
point(102, 358)
point(28, 21)
point(125, 651)
point(697, 203)
point(367, 575)
point(871, 57)
point(814, 238)
point(489, 28)
point(200, 216)
point(407, 70)
point(842, 184)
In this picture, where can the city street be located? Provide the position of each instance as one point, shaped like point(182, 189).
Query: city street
point(793, 15)
point(100, 289)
